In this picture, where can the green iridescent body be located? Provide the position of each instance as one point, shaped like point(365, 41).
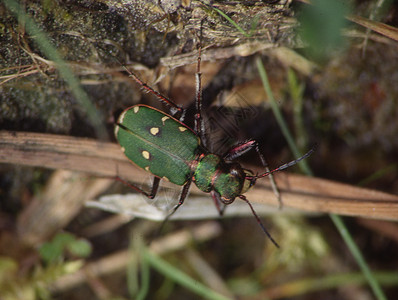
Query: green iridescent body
point(164, 146)
point(213, 173)
point(167, 148)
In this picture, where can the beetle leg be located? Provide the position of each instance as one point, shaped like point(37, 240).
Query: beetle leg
point(271, 177)
point(240, 149)
point(199, 126)
point(217, 201)
point(175, 110)
point(184, 194)
point(154, 190)
point(259, 221)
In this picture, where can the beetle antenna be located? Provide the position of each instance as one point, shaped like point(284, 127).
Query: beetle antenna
point(259, 221)
point(284, 166)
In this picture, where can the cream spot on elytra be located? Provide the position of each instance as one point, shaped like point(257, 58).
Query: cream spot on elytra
point(164, 119)
point(145, 154)
point(154, 130)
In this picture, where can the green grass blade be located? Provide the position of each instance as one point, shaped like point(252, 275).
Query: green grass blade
point(296, 91)
point(337, 220)
point(356, 253)
point(236, 25)
point(138, 271)
point(279, 118)
point(180, 277)
point(378, 174)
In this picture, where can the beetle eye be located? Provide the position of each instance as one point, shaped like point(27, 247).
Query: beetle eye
point(248, 173)
point(246, 186)
point(250, 180)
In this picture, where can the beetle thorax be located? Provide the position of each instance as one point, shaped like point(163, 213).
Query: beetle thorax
point(226, 178)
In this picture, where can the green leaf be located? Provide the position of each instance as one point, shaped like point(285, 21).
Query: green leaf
point(50, 252)
point(8, 268)
point(80, 248)
point(321, 25)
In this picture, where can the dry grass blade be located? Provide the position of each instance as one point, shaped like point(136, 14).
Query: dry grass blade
point(63, 152)
point(106, 159)
point(320, 195)
point(383, 29)
point(61, 200)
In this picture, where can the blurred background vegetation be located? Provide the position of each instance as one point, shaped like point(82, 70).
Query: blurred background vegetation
point(332, 68)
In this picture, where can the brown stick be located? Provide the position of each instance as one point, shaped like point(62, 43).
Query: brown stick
point(106, 159)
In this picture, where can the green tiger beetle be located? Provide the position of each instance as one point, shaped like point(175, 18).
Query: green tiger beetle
point(163, 145)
